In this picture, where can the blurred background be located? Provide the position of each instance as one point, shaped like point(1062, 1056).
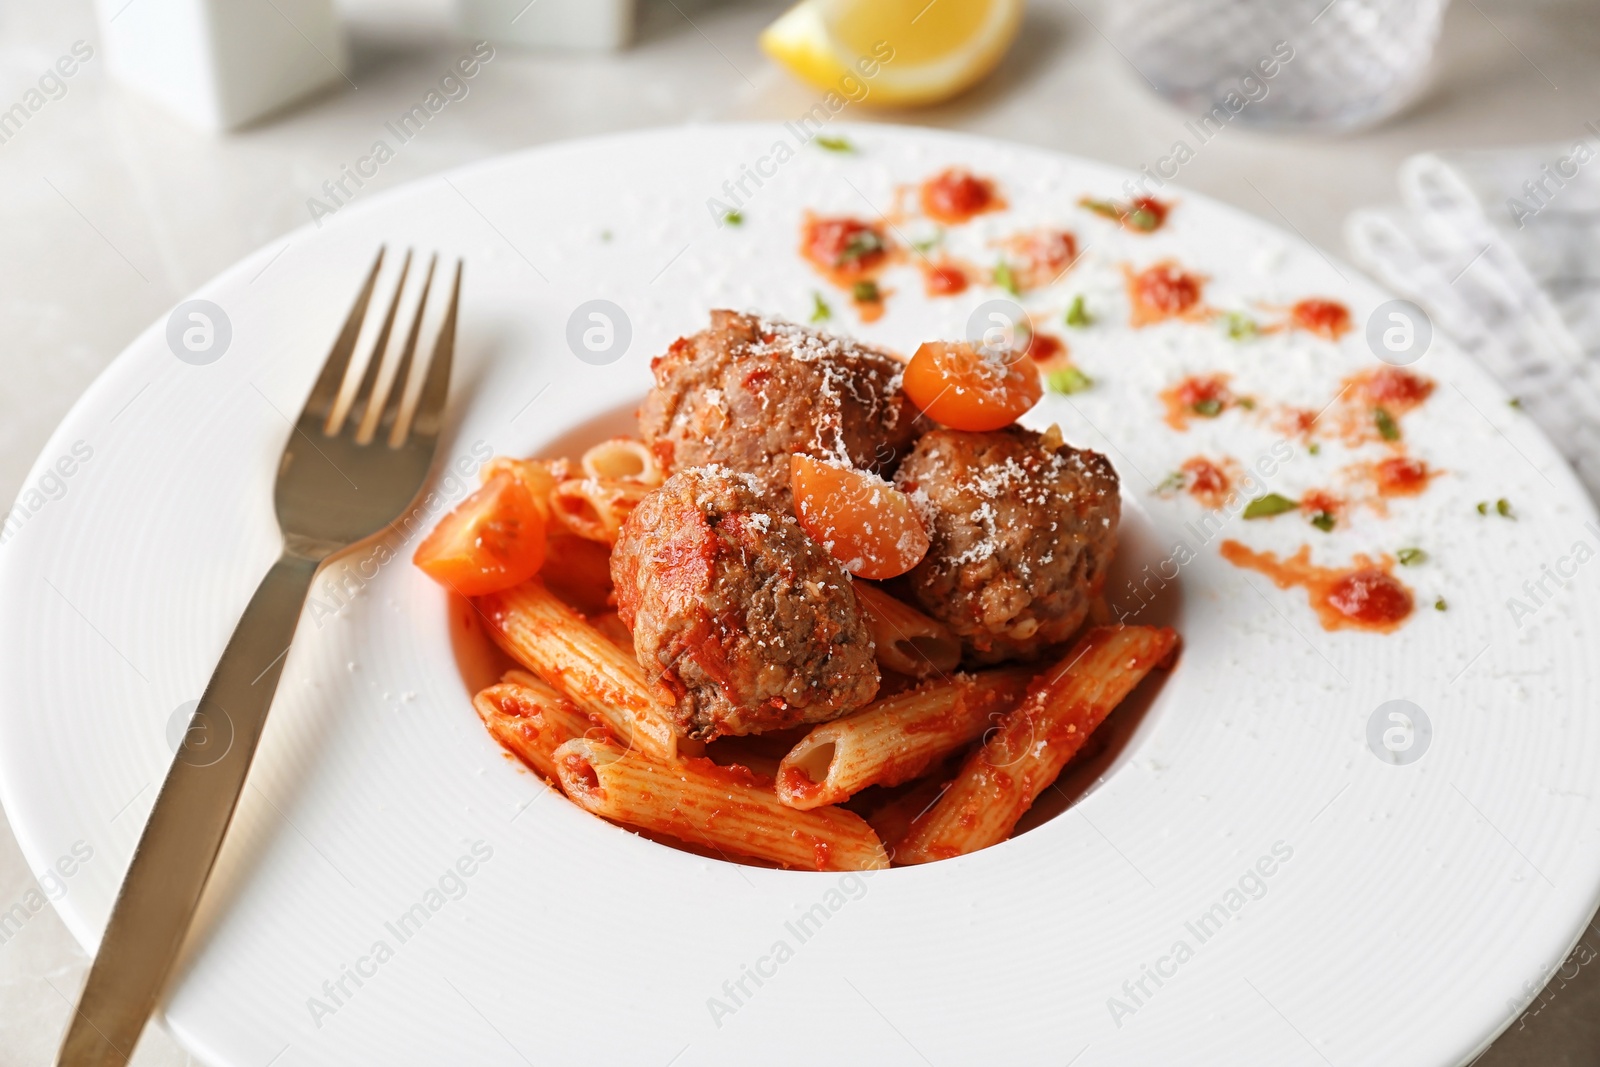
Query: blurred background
point(173, 148)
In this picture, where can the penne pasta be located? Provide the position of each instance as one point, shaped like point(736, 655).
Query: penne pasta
point(897, 738)
point(623, 459)
point(541, 476)
point(906, 640)
point(999, 781)
point(596, 508)
point(531, 720)
point(725, 808)
point(558, 644)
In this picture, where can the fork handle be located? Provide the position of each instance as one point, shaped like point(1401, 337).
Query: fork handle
point(181, 839)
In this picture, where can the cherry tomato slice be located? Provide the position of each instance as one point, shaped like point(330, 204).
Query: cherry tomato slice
point(493, 540)
point(864, 522)
point(967, 388)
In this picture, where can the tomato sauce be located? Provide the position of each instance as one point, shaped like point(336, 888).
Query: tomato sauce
point(1374, 400)
point(1206, 481)
point(1145, 214)
point(869, 303)
point(1314, 502)
point(1394, 389)
point(844, 250)
point(1363, 596)
point(1401, 476)
point(1325, 318)
point(796, 783)
point(944, 278)
point(956, 195)
point(1202, 396)
point(1040, 257)
point(1043, 348)
point(1163, 291)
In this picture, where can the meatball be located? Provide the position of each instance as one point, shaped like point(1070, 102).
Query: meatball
point(1023, 529)
point(748, 392)
point(744, 618)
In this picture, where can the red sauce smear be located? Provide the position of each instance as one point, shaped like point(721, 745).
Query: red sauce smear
point(1155, 209)
point(1326, 318)
point(1401, 476)
point(1206, 481)
point(1363, 596)
point(729, 774)
point(1314, 502)
point(1163, 291)
point(870, 308)
point(944, 278)
point(1378, 397)
point(955, 195)
point(1394, 389)
point(849, 253)
point(845, 250)
point(1203, 396)
point(1042, 348)
point(794, 782)
point(1297, 422)
point(1393, 477)
point(1039, 257)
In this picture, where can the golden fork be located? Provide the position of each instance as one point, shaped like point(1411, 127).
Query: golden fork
point(337, 485)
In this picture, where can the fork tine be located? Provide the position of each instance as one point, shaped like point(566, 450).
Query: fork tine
point(353, 401)
point(389, 361)
point(398, 385)
point(428, 416)
point(323, 394)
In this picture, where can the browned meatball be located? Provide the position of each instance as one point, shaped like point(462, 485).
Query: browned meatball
point(748, 392)
point(746, 619)
point(1023, 535)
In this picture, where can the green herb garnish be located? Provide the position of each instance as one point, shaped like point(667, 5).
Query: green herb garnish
point(1313, 448)
point(1515, 402)
point(820, 311)
point(1503, 507)
point(928, 244)
point(866, 292)
point(1005, 279)
point(1210, 407)
point(1241, 327)
point(1439, 605)
point(1263, 507)
point(861, 244)
point(1410, 557)
point(1324, 521)
point(1068, 380)
point(829, 143)
point(1141, 218)
point(1101, 207)
point(733, 218)
point(1483, 507)
point(1387, 429)
point(1172, 483)
point(1077, 314)
point(1247, 402)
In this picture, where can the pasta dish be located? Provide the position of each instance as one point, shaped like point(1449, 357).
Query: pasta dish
point(830, 610)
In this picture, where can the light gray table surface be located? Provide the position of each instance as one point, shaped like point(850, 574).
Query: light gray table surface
point(112, 211)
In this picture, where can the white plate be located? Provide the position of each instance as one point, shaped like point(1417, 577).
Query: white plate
point(1420, 906)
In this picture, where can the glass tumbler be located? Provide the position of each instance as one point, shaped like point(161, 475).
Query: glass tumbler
point(1286, 64)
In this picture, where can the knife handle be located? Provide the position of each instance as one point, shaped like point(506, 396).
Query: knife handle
point(181, 839)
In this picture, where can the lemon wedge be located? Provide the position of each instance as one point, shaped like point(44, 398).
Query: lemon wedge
point(900, 51)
